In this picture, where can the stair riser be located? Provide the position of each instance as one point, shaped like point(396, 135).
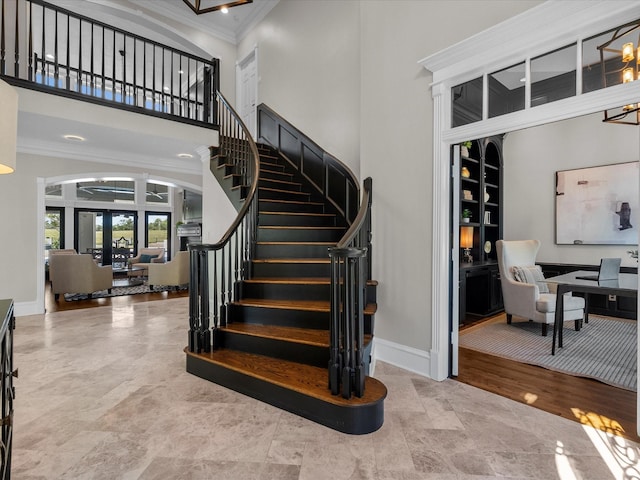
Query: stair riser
point(280, 185)
point(308, 354)
point(271, 165)
point(285, 318)
point(279, 195)
point(280, 270)
point(298, 235)
point(291, 251)
point(269, 175)
point(296, 220)
point(289, 291)
point(267, 206)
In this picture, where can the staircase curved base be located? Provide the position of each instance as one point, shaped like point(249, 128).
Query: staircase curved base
point(354, 416)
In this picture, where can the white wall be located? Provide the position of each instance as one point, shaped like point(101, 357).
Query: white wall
point(309, 71)
point(346, 74)
point(396, 151)
point(532, 157)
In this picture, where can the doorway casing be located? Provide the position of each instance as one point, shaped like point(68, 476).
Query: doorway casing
point(540, 30)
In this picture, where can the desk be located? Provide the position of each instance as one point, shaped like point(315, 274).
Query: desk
point(625, 286)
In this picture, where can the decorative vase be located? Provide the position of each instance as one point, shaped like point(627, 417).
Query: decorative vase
point(464, 151)
point(486, 195)
point(465, 172)
point(465, 219)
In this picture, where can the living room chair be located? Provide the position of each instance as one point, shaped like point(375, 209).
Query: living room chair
point(524, 291)
point(145, 257)
point(78, 274)
point(172, 273)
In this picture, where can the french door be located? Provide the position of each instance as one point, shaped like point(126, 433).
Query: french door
point(108, 235)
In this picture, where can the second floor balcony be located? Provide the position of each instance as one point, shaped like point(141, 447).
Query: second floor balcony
point(47, 48)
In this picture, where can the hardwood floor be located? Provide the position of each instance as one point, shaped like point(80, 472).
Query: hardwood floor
point(579, 399)
point(62, 305)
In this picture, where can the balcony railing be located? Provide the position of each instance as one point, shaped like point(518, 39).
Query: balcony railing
point(47, 48)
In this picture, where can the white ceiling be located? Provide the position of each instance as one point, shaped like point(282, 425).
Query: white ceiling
point(41, 133)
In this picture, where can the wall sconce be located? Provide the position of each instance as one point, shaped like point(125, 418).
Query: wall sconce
point(613, 74)
point(466, 242)
point(8, 127)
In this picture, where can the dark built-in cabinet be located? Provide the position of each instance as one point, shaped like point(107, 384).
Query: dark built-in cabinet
point(481, 193)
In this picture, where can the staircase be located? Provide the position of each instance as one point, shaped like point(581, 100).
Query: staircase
point(274, 337)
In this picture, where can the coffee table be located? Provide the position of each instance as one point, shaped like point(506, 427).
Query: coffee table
point(128, 281)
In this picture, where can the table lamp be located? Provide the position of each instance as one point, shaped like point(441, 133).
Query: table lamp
point(466, 242)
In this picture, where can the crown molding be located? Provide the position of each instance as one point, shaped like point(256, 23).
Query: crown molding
point(112, 157)
point(541, 29)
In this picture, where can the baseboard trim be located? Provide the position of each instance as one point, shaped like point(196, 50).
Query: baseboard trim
point(408, 358)
point(22, 309)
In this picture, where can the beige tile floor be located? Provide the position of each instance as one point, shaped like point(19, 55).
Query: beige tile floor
point(103, 394)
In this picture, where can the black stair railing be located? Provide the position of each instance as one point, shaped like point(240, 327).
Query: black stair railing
point(47, 48)
point(350, 271)
point(217, 268)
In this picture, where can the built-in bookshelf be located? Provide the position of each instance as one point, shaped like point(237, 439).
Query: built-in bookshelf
point(481, 195)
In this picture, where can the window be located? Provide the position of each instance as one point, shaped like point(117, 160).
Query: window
point(466, 103)
point(157, 193)
point(53, 231)
point(553, 76)
point(114, 191)
point(158, 231)
point(506, 90)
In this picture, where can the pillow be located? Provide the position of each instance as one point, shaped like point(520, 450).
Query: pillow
point(146, 258)
point(532, 274)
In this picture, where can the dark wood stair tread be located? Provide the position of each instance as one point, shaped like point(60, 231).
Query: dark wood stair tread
point(307, 336)
point(298, 280)
point(328, 244)
point(296, 202)
point(289, 192)
point(291, 260)
point(298, 214)
point(299, 227)
point(304, 379)
point(304, 305)
point(289, 281)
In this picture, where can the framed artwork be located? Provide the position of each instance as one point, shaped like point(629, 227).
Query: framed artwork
point(598, 205)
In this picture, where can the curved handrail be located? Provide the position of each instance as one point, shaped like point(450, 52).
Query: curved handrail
point(359, 221)
point(232, 254)
point(252, 191)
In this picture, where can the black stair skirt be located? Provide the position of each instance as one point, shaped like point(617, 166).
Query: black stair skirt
point(355, 416)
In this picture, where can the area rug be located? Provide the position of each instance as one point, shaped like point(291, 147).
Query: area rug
point(119, 291)
point(605, 349)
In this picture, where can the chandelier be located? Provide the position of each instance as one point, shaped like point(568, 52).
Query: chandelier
point(621, 67)
point(205, 6)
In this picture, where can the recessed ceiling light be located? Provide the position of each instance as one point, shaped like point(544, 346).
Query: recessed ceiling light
point(224, 10)
point(180, 72)
point(185, 155)
point(75, 138)
point(49, 56)
point(523, 79)
point(166, 89)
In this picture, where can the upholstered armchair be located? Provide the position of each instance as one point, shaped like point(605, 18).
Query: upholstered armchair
point(524, 291)
point(78, 274)
point(174, 272)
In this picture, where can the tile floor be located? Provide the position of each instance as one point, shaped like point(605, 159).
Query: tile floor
point(103, 394)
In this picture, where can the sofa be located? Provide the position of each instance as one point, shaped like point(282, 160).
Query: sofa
point(145, 257)
point(78, 274)
point(173, 273)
